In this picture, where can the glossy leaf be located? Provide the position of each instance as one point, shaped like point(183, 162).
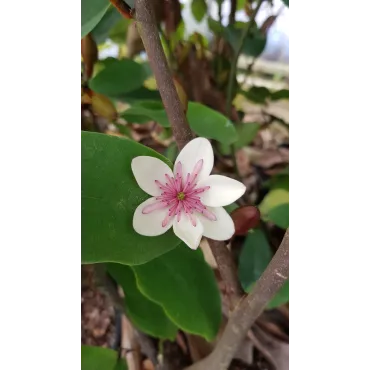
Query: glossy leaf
point(110, 196)
point(118, 78)
point(199, 9)
point(246, 133)
point(99, 358)
point(185, 286)
point(92, 11)
point(208, 123)
point(146, 315)
point(254, 258)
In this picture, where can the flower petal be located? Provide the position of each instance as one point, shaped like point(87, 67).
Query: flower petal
point(150, 224)
point(221, 229)
point(189, 234)
point(148, 169)
point(190, 155)
point(222, 192)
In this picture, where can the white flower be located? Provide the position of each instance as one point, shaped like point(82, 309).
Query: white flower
point(190, 199)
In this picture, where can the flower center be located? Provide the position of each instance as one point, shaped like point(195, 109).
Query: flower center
point(181, 196)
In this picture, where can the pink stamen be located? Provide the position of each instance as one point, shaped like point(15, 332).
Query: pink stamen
point(152, 207)
point(181, 195)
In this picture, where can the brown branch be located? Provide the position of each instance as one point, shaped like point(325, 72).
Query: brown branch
point(149, 34)
point(180, 126)
point(248, 310)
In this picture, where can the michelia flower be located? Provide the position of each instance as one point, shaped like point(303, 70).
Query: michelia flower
point(188, 199)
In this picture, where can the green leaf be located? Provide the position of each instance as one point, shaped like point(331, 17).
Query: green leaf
point(286, 2)
point(275, 206)
point(280, 181)
point(254, 43)
point(142, 93)
point(210, 124)
point(199, 9)
point(92, 11)
point(118, 32)
point(152, 110)
point(281, 297)
point(118, 78)
point(246, 133)
point(185, 286)
point(215, 26)
point(101, 31)
point(272, 199)
point(231, 207)
point(110, 196)
point(280, 215)
point(146, 315)
point(280, 94)
point(254, 258)
point(172, 152)
point(98, 358)
point(257, 94)
point(240, 4)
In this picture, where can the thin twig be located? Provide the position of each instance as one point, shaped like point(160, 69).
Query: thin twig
point(248, 310)
point(232, 74)
point(180, 126)
point(234, 62)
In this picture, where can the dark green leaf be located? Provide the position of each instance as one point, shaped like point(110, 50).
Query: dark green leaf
point(98, 358)
point(286, 2)
point(199, 9)
point(280, 215)
point(281, 297)
point(215, 26)
point(110, 196)
point(279, 181)
point(146, 315)
point(281, 94)
point(246, 133)
point(142, 93)
point(118, 78)
point(210, 124)
point(254, 43)
point(152, 110)
point(257, 94)
point(254, 258)
point(101, 31)
point(185, 286)
point(92, 11)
